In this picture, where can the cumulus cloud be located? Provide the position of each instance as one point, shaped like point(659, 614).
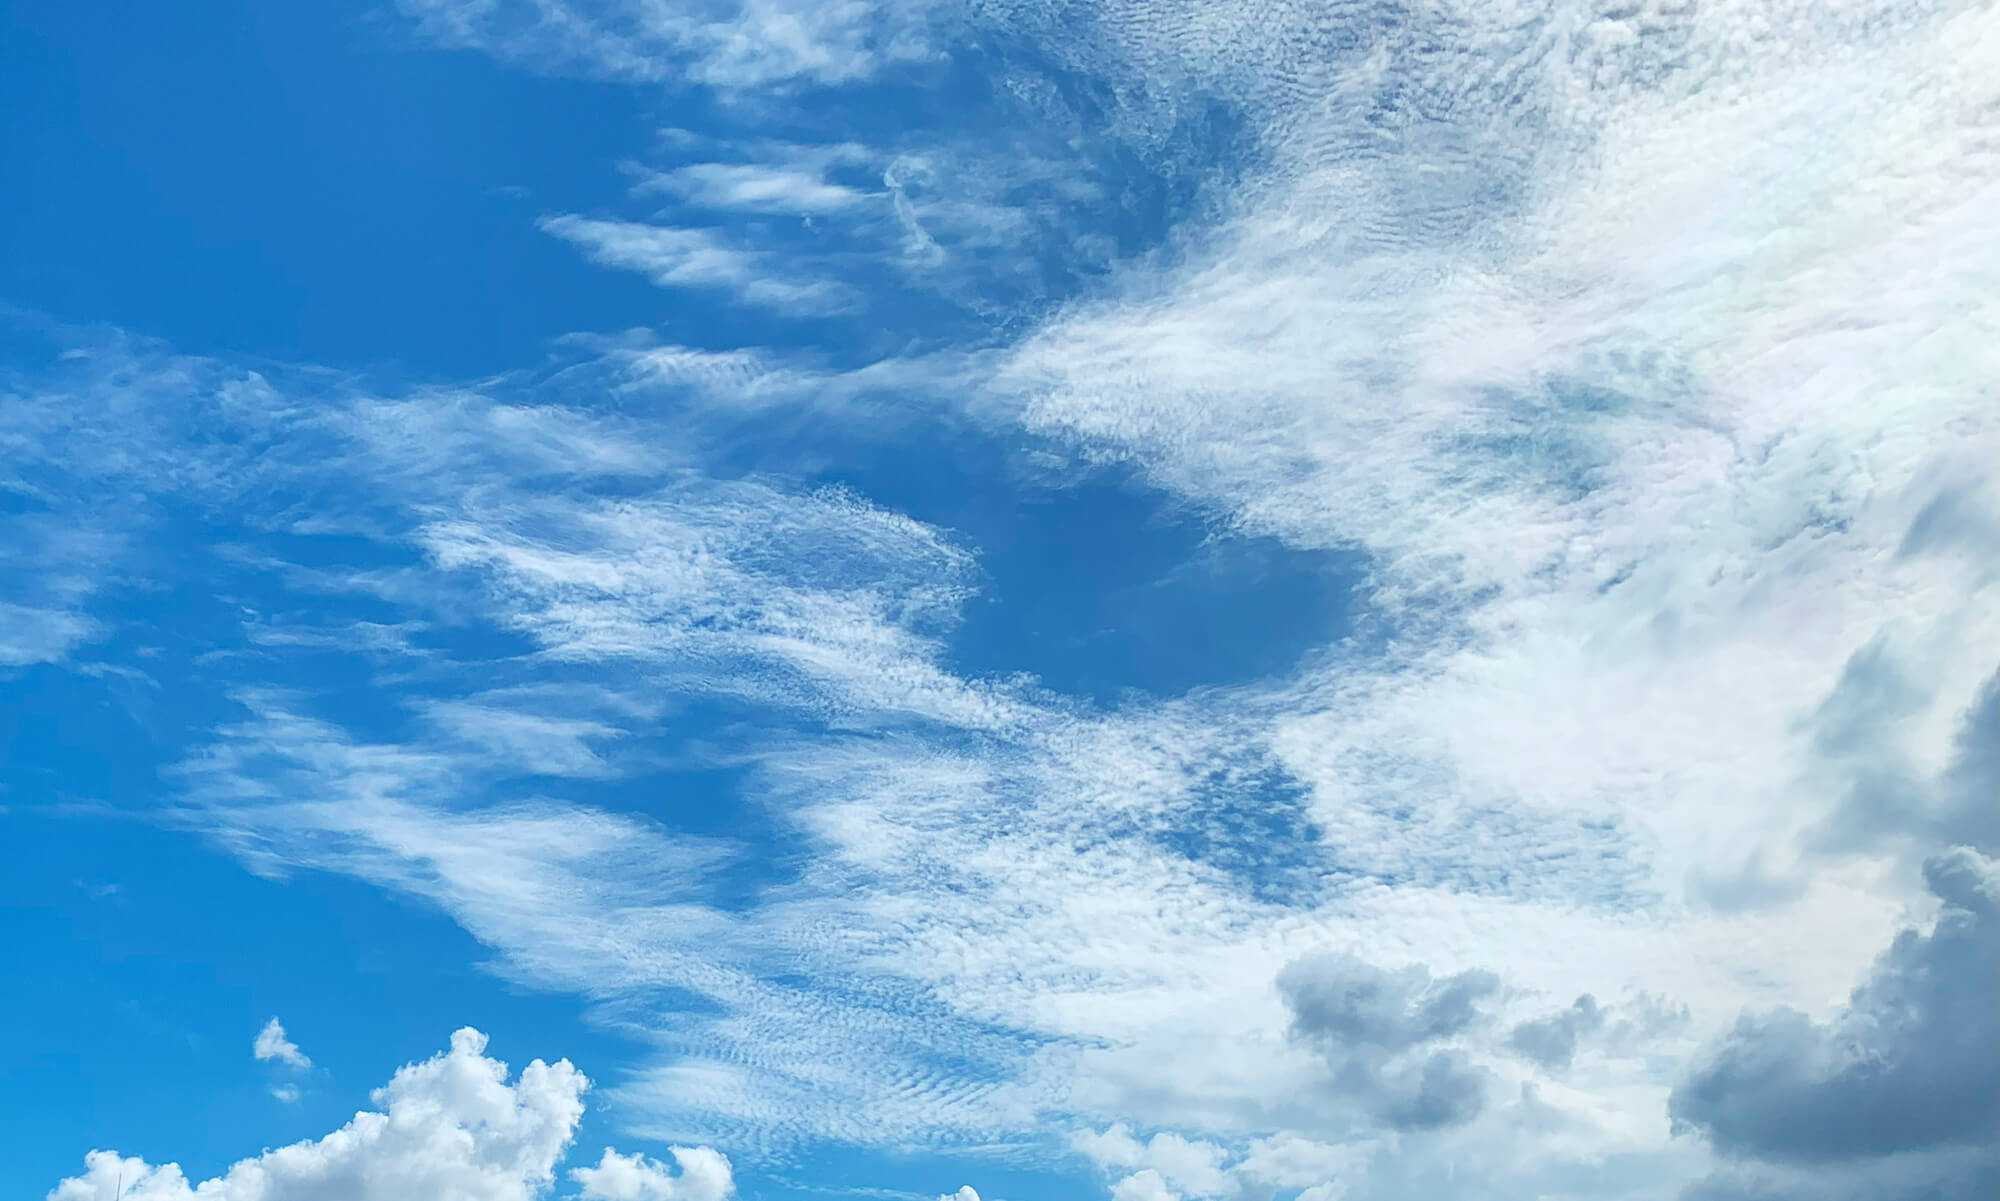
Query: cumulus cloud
point(454, 1126)
point(1375, 1025)
point(1907, 1066)
point(271, 1044)
point(1170, 1164)
point(698, 1174)
point(1189, 1167)
point(1143, 1185)
point(965, 1193)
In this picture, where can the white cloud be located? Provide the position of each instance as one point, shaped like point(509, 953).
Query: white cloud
point(703, 1175)
point(736, 45)
point(287, 1093)
point(965, 1193)
point(675, 257)
point(456, 1126)
point(452, 1126)
point(272, 1044)
point(1192, 1168)
point(35, 635)
point(1631, 372)
point(1143, 1185)
point(784, 179)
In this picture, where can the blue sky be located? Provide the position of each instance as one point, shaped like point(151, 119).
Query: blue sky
point(1151, 601)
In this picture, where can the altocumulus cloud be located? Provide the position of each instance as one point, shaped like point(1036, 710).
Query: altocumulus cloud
point(455, 1127)
point(1645, 429)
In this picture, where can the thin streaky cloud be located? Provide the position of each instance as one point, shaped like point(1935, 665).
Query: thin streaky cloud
point(1638, 357)
point(675, 257)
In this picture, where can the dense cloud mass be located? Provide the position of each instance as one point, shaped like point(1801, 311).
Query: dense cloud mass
point(1551, 1041)
point(1885, 799)
point(1970, 816)
point(1378, 1031)
point(1908, 1066)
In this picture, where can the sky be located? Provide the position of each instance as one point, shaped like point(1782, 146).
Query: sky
point(1158, 600)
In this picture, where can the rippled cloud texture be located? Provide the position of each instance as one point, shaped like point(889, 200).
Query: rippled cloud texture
point(1267, 600)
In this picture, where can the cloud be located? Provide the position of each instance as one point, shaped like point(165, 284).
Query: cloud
point(675, 257)
point(1373, 1026)
point(454, 1125)
point(272, 1044)
point(1343, 1002)
point(784, 178)
point(1962, 1175)
point(747, 44)
point(287, 1093)
point(965, 1193)
point(1551, 1041)
point(36, 635)
point(1884, 795)
point(1143, 1185)
point(1907, 1066)
point(1522, 309)
point(992, 918)
point(1167, 1161)
point(699, 1174)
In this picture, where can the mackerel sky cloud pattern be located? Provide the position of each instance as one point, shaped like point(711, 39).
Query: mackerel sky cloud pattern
point(1158, 600)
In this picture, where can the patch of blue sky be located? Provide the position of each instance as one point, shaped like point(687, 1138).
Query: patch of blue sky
point(1102, 586)
point(862, 226)
point(376, 196)
point(1256, 828)
point(170, 956)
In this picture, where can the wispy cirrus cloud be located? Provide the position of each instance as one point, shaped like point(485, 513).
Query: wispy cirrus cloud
point(1659, 448)
point(769, 177)
point(676, 257)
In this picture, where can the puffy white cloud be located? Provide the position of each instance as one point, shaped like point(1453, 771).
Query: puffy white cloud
point(272, 1044)
point(1189, 1166)
point(1143, 1185)
point(965, 1193)
point(452, 1128)
point(703, 1175)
